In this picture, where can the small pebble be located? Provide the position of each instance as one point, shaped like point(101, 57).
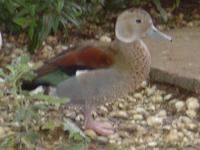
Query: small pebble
point(140, 110)
point(192, 103)
point(120, 114)
point(162, 113)
point(91, 134)
point(131, 99)
point(138, 96)
point(152, 144)
point(52, 40)
point(172, 137)
point(111, 141)
point(47, 48)
point(102, 139)
point(18, 97)
point(133, 148)
point(157, 98)
point(152, 107)
point(103, 109)
point(4, 131)
point(121, 106)
point(190, 147)
point(70, 114)
point(130, 127)
point(113, 136)
point(141, 130)
point(79, 118)
point(144, 84)
point(137, 117)
point(38, 90)
point(190, 24)
point(191, 113)
point(61, 48)
point(105, 38)
point(154, 121)
point(180, 106)
point(123, 134)
point(150, 91)
point(167, 97)
point(185, 119)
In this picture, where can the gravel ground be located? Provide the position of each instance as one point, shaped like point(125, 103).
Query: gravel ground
point(150, 119)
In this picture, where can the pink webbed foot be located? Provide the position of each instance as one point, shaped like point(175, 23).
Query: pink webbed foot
point(100, 128)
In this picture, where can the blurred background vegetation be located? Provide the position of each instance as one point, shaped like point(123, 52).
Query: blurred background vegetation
point(39, 18)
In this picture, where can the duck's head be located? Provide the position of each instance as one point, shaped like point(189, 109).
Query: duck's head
point(133, 24)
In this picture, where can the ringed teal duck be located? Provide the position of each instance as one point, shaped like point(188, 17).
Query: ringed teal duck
point(115, 68)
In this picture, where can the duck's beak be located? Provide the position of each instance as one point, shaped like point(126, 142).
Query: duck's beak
point(156, 34)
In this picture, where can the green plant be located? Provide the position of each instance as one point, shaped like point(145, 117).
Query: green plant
point(122, 4)
point(39, 17)
point(26, 112)
point(20, 69)
point(94, 10)
point(28, 139)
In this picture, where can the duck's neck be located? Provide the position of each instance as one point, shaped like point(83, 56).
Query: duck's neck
point(136, 58)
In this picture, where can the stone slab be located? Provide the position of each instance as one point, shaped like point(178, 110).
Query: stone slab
point(177, 63)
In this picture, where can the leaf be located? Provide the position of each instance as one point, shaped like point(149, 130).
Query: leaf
point(50, 99)
point(74, 131)
point(37, 107)
point(7, 142)
point(74, 146)
point(178, 3)
point(2, 73)
point(19, 70)
point(24, 22)
point(24, 59)
point(25, 114)
point(60, 5)
point(1, 41)
point(30, 136)
point(51, 124)
point(163, 13)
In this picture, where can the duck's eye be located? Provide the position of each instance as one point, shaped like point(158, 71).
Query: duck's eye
point(138, 21)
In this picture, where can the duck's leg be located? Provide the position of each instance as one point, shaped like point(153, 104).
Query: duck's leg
point(98, 127)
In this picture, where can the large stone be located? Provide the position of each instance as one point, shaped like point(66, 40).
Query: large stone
point(177, 63)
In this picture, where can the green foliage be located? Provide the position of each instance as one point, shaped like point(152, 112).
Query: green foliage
point(25, 115)
point(94, 10)
point(74, 146)
point(50, 99)
point(19, 70)
point(122, 4)
point(177, 2)
point(28, 140)
point(39, 17)
point(52, 124)
point(27, 112)
point(7, 142)
point(163, 13)
point(74, 132)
